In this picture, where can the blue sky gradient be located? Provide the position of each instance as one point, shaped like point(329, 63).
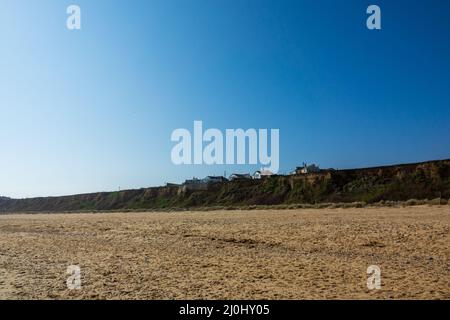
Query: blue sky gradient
point(93, 110)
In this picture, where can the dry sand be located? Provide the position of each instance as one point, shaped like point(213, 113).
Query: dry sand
point(290, 254)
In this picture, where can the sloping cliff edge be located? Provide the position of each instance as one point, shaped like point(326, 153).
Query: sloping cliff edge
point(427, 180)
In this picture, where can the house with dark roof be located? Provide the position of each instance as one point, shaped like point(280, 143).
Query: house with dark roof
point(312, 168)
point(214, 179)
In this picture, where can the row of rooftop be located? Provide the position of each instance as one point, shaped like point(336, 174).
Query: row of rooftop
point(259, 174)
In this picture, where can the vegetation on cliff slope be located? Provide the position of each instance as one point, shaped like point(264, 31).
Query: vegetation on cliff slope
point(427, 180)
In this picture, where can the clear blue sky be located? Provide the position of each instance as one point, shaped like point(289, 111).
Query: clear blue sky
point(93, 110)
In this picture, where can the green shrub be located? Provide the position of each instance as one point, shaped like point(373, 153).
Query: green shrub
point(414, 202)
point(435, 201)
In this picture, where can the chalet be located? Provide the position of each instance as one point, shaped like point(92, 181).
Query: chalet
point(307, 169)
point(262, 174)
point(194, 184)
point(193, 181)
point(214, 179)
point(239, 176)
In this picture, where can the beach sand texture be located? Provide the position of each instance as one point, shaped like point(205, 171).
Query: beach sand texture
point(261, 254)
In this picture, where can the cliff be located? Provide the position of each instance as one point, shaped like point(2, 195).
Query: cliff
point(426, 180)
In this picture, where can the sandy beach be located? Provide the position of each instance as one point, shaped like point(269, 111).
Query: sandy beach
point(261, 254)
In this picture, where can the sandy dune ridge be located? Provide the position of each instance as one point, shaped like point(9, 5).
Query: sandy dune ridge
point(289, 254)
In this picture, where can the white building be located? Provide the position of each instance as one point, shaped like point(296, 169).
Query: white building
point(307, 169)
point(239, 176)
point(262, 173)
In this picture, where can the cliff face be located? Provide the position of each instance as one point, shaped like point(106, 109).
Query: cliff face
point(398, 183)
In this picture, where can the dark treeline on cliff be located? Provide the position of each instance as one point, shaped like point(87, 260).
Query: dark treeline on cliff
point(426, 180)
